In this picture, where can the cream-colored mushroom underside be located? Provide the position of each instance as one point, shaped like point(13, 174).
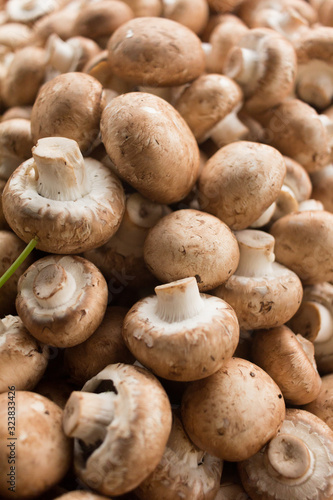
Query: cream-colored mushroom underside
point(102, 185)
point(306, 488)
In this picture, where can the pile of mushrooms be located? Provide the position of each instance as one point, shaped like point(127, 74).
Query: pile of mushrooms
point(166, 249)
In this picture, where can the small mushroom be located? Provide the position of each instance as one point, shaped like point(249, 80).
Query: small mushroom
point(64, 97)
point(184, 472)
point(263, 63)
point(19, 349)
point(41, 452)
point(61, 22)
point(304, 243)
point(15, 35)
point(296, 464)
point(17, 112)
point(289, 360)
point(62, 299)
point(10, 249)
point(15, 145)
point(69, 203)
point(121, 421)
point(105, 346)
point(151, 146)
point(263, 293)
point(233, 413)
point(236, 184)
point(188, 243)
point(171, 55)
point(181, 334)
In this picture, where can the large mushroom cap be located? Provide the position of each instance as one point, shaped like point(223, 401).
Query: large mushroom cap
point(234, 412)
point(191, 243)
point(146, 60)
point(69, 203)
point(151, 146)
point(42, 451)
point(62, 299)
point(122, 421)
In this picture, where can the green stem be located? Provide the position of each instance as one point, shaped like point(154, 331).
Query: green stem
point(20, 259)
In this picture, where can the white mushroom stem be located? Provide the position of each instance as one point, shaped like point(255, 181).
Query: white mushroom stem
point(53, 286)
point(289, 458)
point(62, 56)
point(242, 65)
point(61, 169)
point(265, 217)
point(256, 253)
point(325, 323)
point(228, 130)
point(179, 300)
point(307, 205)
point(87, 415)
point(315, 83)
point(286, 203)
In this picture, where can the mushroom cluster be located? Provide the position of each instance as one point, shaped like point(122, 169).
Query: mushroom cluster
point(169, 162)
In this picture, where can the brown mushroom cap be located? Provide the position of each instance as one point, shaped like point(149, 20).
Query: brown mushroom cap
point(15, 145)
point(234, 412)
point(42, 451)
point(224, 5)
point(151, 146)
point(180, 334)
point(10, 248)
point(206, 101)
point(304, 243)
point(295, 129)
point(62, 299)
point(240, 181)
point(121, 434)
point(263, 293)
point(80, 495)
point(69, 203)
point(19, 349)
point(184, 471)
point(296, 464)
point(105, 346)
point(191, 243)
point(70, 105)
point(322, 187)
point(146, 60)
point(191, 13)
point(289, 360)
point(322, 406)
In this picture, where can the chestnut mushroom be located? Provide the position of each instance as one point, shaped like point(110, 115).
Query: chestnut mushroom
point(41, 451)
point(188, 243)
point(62, 299)
point(19, 349)
point(69, 203)
point(181, 334)
point(151, 146)
point(233, 413)
point(263, 293)
point(322, 405)
point(240, 182)
point(121, 421)
point(15, 145)
point(296, 464)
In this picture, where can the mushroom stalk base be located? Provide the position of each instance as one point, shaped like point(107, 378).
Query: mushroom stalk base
point(179, 300)
point(326, 324)
point(53, 286)
point(60, 55)
point(87, 415)
point(256, 253)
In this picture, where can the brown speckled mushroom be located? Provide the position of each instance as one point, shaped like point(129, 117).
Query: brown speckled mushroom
point(69, 203)
point(296, 130)
point(121, 421)
point(146, 60)
point(263, 293)
point(19, 349)
point(236, 184)
point(234, 412)
point(15, 145)
point(62, 299)
point(10, 248)
point(191, 243)
point(43, 454)
point(289, 360)
point(70, 105)
point(296, 464)
point(322, 406)
point(151, 146)
point(185, 472)
point(181, 334)
point(206, 101)
point(105, 346)
point(304, 243)
point(263, 63)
